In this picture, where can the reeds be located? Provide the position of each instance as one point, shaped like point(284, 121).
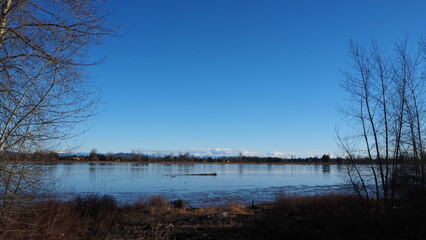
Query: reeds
point(289, 217)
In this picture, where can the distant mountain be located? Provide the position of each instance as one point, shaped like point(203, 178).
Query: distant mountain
point(122, 154)
point(65, 154)
point(202, 153)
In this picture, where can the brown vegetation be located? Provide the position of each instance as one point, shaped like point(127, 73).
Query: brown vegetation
point(313, 217)
point(386, 110)
point(44, 88)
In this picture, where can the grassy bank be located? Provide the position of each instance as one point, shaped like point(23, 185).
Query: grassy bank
point(314, 217)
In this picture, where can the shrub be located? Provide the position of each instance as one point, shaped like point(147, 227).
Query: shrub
point(157, 201)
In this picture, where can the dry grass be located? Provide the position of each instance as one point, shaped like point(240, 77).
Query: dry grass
point(289, 217)
point(236, 208)
point(47, 220)
point(153, 204)
point(158, 202)
point(317, 203)
point(86, 217)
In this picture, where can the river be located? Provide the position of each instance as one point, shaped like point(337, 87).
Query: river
point(244, 183)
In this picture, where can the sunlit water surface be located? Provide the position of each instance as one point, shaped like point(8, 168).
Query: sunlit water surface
point(234, 182)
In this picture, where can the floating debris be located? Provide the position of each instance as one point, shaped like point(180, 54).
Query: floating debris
point(192, 174)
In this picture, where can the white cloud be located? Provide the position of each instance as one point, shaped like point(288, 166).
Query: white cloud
point(277, 154)
point(216, 152)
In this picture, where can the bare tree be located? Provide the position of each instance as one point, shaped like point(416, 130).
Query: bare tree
point(386, 109)
point(44, 92)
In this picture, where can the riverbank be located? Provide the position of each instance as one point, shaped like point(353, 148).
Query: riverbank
point(201, 162)
point(314, 217)
point(189, 159)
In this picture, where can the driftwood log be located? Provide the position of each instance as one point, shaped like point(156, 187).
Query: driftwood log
point(192, 174)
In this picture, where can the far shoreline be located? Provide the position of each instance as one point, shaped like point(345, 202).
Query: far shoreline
point(196, 162)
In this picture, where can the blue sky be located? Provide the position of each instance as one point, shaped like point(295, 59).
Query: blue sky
point(255, 76)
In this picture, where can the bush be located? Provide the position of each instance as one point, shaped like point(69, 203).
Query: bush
point(157, 201)
point(50, 219)
point(94, 206)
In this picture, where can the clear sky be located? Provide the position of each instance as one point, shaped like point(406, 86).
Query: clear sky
point(224, 75)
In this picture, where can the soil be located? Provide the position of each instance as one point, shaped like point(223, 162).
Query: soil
point(171, 223)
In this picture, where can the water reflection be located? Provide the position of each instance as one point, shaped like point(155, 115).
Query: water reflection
point(326, 168)
point(316, 168)
point(132, 180)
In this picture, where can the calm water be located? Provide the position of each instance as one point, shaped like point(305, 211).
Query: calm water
point(234, 182)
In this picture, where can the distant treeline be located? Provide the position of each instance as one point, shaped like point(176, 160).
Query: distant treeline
point(47, 156)
point(51, 157)
point(187, 158)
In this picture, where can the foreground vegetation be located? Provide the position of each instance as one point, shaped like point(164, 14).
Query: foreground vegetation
point(313, 217)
